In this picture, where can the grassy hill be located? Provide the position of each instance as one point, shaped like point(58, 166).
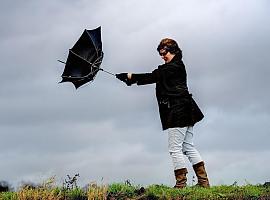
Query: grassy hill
point(118, 191)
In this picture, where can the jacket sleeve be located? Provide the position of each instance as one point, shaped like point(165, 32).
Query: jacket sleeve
point(146, 78)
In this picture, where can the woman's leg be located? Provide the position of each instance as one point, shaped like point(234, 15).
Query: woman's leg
point(195, 158)
point(176, 138)
point(188, 147)
point(175, 143)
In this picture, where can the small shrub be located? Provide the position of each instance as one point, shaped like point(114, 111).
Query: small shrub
point(5, 186)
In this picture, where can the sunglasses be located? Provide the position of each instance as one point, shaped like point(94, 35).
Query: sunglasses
point(163, 53)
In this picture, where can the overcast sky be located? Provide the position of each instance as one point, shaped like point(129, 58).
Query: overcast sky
point(111, 132)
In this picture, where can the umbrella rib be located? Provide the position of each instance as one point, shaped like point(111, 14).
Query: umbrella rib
point(86, 76)
point(92, 40)
point(98, 60)
point(81, 78)
point(82, 58)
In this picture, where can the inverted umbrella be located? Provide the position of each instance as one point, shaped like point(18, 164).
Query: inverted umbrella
point(84, 59)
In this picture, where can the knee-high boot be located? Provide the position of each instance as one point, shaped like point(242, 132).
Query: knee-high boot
point(180, 176)
point(201, 174)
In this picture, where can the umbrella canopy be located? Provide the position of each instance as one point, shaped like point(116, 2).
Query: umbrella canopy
point(84, 58)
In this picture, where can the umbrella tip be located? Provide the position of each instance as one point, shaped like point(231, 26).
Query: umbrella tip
point(61, 61)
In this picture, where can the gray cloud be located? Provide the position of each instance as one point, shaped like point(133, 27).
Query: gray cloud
point(108, 130)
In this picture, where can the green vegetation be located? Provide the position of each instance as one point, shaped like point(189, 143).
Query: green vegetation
point(126, 191)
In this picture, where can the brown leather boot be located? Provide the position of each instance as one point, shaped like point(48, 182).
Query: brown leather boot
point(180, 176)
point(201, 174)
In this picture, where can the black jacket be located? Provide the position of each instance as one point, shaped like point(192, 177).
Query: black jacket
point(176, 106)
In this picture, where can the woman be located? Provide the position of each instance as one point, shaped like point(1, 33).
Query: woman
point(178, 111)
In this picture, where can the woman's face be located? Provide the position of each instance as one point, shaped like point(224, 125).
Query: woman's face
point(166, 55)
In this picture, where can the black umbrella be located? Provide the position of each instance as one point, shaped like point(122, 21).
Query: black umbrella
point(84, 59)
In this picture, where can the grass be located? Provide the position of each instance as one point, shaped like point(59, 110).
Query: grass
point(215, 192)
point(126, 191)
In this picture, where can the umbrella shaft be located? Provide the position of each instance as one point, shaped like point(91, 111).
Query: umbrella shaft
point(107, 72)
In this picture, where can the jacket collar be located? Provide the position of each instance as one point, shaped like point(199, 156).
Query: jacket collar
point(176, 58)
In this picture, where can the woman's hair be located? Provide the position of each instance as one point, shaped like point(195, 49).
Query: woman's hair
point(169, 45)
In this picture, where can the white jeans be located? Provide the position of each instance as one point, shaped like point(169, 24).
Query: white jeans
point(180, 142)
